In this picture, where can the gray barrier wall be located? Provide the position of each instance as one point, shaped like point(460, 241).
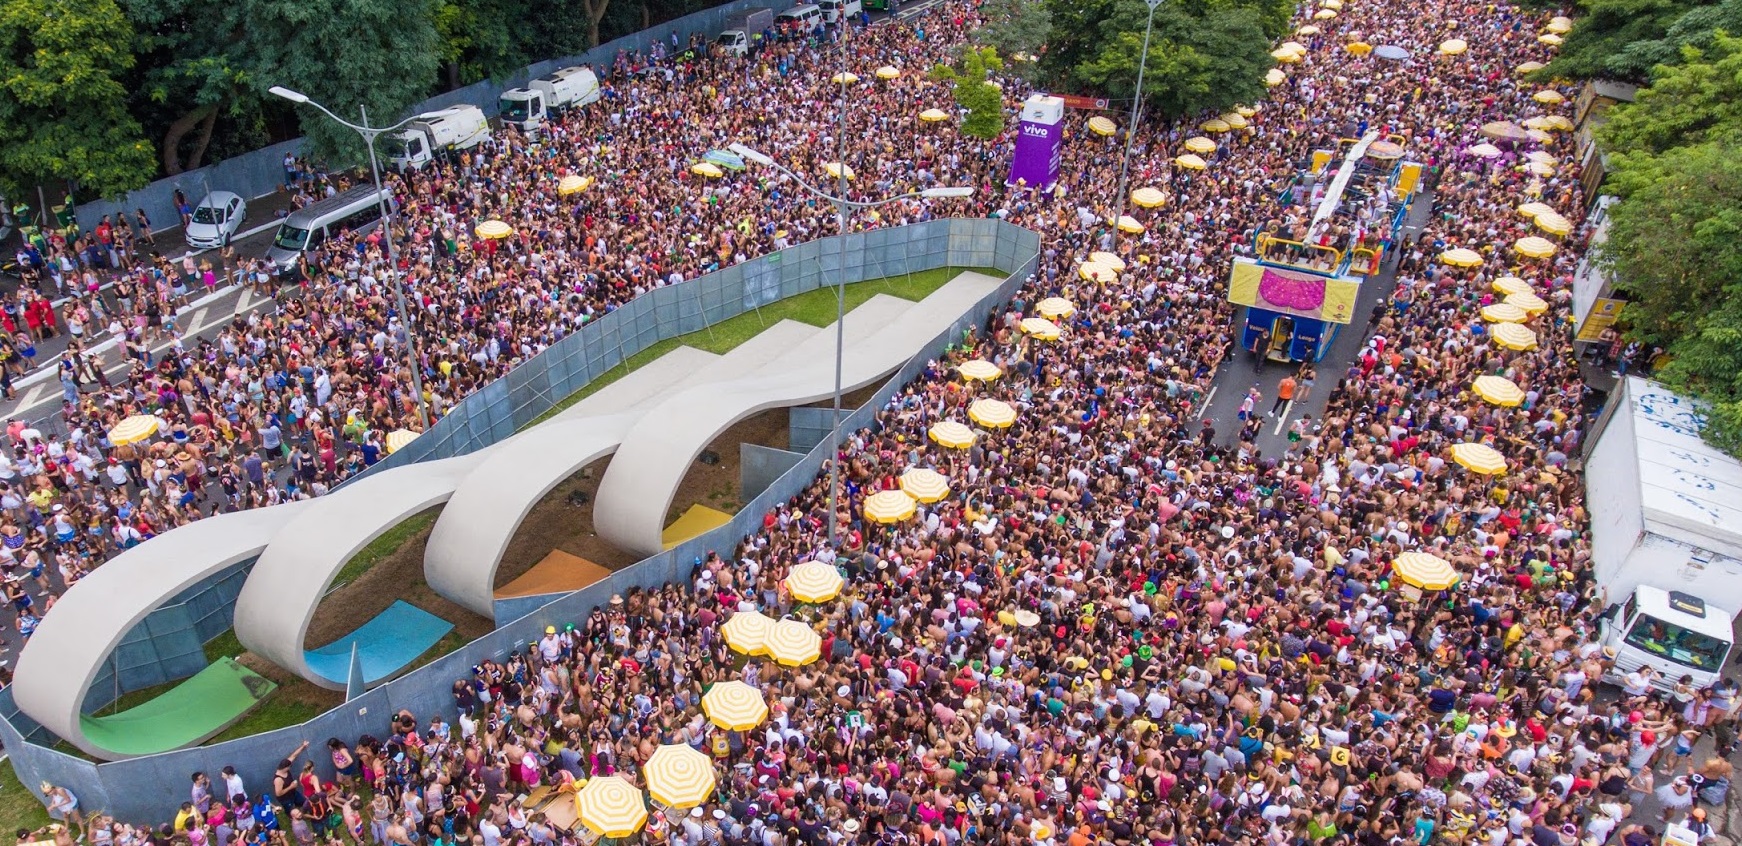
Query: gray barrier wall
point(148, 789)
point(262, 171)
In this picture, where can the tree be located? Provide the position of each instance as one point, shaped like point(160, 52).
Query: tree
point(63, 115)
point(1686, 104)
point(1016, 28)
point(478, 39)
point(1200, 57)
point(1599, 46)
point(974, 92)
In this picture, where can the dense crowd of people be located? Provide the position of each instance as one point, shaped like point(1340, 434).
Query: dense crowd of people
point(1219, 653)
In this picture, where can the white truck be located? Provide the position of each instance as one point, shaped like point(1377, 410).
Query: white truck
point(433, 134)
point(743, 33)
point(531, 107)
point(1666, 535)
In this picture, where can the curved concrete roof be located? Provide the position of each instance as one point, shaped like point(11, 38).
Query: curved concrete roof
point(61, 662)
point(636, 491)
point(487, 508)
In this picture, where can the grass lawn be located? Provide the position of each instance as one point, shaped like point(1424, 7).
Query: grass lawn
point(381, 547)
point(18, 807)
point(816, 308)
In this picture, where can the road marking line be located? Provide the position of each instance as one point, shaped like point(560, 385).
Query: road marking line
point(31, 396)
point(1281, 421)
point(1209, 398)
point(194, 323)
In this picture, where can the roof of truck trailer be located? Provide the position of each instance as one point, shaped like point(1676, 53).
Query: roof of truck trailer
point(1687, 486)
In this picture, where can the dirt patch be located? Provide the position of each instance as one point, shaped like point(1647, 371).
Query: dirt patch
point(399, 575)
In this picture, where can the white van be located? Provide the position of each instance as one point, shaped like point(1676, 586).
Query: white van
point(802, 18)
point(1677, 633)
point(832, 9)
point(356, 210)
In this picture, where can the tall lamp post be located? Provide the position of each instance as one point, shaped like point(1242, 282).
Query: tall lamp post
point(1120, 199)
point(843, 206)
point(369, 134)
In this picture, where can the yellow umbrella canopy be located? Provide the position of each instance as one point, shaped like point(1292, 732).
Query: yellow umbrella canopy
point(889, 507)
point(1128, 224)
point(1528, 67)
point(1200, 144)
point(1498, 390)
point(1453, 46)
point(492, 230)
point(925, 484)
point(1539, 168)
point(1235, 120)
point(1053, 308)
point(1532, 209)
point(734, 706)
point(1484, 150)
point(1543, 156)
point(1191, 161)
point(1106, 259)
point(952, 435)
point(1215, 125)
point(888, 72)
point(1554, 224)
point(1358, 48)
point(1324, 14)
point(1511, 285)
point(979, 369)
point(747, 632)
point(1425, 571)
point(134, 429)
point(1531, 303)
point(1479, 458)
point(1513, 336)
point(1560, 123)
point(1548, 96)
point(1504, 313)
point(1461, 257)
point(1148, 198)
point(1309, 29)
point(1287, 57)
point(794, 644)
point(1539, 136)
point(1538, 122)
point(1097, 272)
point(1293, 47)
point(814, 581)
point(1550, 39)
point(1040, 328)
point(708, 169)
point(1102, 126)
point(573, 185)
point(399, 438)
point(1534, 247)
point(934, 115)
point(679, 775)
point(611, 807)
point(1275, 77)
point(1560, 23)
point(835, 169)
point(844, 78)
point(996, 414)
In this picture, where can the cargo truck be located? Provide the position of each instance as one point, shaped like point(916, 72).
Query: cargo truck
point(529, 108)
point(743, 33)
point(433, 134)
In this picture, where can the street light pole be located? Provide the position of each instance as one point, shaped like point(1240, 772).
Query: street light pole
point(840, 291)
point(843, 206)
point(1120, 199)
point(369, 135)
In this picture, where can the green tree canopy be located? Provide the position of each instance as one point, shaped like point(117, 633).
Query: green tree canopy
point(1625, 39)
point(63, 109)
point(983, 102)
point(1686, 104)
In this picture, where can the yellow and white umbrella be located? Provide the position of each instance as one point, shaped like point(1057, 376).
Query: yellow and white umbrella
point(1128, 224)
point(814, 581)
point(1554, 224)
point(734, 706)
point(1235, 120)
point(1479, 458)
point(1287, 57)
point(844, 78)
point(1560, 123)
point(1097, 273)
point(610, 806)
point(1498, 390)
point(794, 644)
point(1275, 77)
point(979, 370)
point(1560, 24)
point(1190, 161)
point(925, 484)
point(708, 169)
point(1102, 126)
point(1509, 285)
point(934, 115)
point(1040, 328)
point(1539, 169)
point(1534, 247)
point(888, 72)
point(889, 507)
point(1513, 336)
point(1200, 144)
point(1528, 67)
point(1504, 313)
point(1309, 29)
point(1543, 156)
point(1425, 571)
point(835, 169)
point(952, 435)
point(1324, 14)
point(1461, 257)
point(398, 439)
point(1548, 96)
point(1215, 125)
point(679, 775)
point(992, 413)
point(1533, 209)
point(747, 632)
point(1054, 308)
point(1550, 39)
point(573, 185)
point(132, 430)
point(1107, 259)
point(1453, 46)
point(493, 230)
point(1484, 150)
point(1148, 198)
point(1531, 303)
